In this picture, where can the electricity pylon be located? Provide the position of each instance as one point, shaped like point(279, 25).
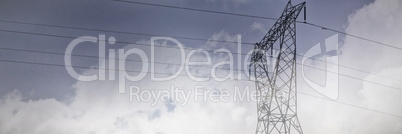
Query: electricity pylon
point(273, 64)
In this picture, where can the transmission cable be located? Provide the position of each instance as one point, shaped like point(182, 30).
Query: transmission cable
point(142, 44)
point(259, 17)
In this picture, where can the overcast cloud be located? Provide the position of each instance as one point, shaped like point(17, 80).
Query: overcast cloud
point(97, 107)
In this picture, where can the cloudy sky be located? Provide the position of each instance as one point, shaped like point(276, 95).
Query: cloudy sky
point(39, 95)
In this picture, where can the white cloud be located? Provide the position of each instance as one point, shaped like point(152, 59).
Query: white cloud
point(257, 26)
point(378, 21)
point(98, 108)
point(222, 36)
point(381, 99)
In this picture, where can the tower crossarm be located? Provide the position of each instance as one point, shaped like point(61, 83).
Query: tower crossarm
point(289, 15)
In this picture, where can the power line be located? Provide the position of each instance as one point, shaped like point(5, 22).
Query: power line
point(142, 44)
point(107, 58)
point(372, 82)
point(242, 70)
point(351, 105)
point(352, 35)
point(62, 36)
point(246, 80)
point(120, 32)
point(194, 9)
point(180, 37)
point(260, 17)
point(84, 67)
point(117, 42)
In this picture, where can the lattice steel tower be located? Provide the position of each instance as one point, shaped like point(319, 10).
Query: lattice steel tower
point(273, 64)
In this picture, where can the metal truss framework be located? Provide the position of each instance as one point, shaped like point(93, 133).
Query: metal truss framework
point(276, 80)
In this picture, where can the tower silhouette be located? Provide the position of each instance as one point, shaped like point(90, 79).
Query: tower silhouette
point(273, 64)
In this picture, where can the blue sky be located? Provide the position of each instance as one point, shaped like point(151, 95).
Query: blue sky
point(55, 97)
point(110, 15)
